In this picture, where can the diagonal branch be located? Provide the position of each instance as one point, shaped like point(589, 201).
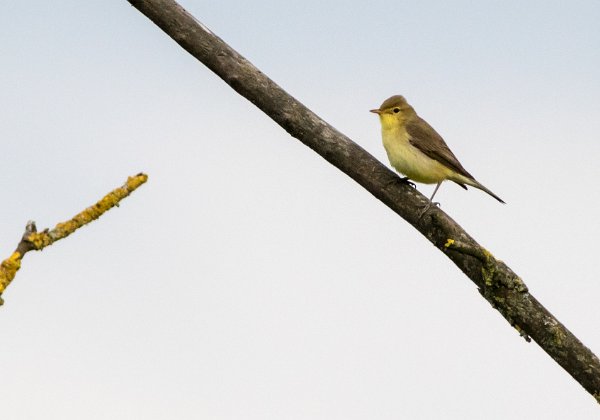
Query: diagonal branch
point(34, 240)
point(497, 283)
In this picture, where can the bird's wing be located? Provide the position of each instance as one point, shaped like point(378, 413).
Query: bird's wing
point(428, 141)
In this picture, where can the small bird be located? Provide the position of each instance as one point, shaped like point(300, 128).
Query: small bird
point(416, 150)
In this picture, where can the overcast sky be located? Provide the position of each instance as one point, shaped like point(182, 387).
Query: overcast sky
point(249, 279)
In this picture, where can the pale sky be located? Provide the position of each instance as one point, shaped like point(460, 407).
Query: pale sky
point(249, 279)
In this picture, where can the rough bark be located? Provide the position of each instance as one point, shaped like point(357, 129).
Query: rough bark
point(496, 281)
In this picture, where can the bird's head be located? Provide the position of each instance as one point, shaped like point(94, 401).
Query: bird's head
point(394, 112)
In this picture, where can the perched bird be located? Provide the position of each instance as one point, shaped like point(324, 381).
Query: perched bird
point(416, 150)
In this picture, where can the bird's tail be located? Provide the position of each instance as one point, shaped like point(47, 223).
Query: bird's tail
point(476, 184)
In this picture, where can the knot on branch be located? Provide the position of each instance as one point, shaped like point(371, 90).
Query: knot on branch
point(490, 266)
point(499, 284)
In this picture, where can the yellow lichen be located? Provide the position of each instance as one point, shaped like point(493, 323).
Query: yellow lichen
point(488, 269)
point(449, 243)
point(8, 269)
point(558, 335)
point(41, 240)
point(135, 181)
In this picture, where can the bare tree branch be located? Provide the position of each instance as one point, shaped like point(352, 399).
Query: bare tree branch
point(496, 281)
point(34, 240)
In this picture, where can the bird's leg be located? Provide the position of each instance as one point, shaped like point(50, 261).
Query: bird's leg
point(433, 195)
point(428, 205)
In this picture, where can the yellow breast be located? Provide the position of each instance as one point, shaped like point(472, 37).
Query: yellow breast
point(409, 160)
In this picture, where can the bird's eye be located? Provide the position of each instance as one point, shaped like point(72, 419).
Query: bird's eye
point(396, 110)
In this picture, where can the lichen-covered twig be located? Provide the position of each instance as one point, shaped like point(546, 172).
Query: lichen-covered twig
point(34, 240)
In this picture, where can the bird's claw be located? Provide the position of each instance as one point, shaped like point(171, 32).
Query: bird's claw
point(427, 207)
point(402, 180)
point(405, 179)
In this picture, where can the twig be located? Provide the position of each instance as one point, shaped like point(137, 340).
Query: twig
point(34, 240)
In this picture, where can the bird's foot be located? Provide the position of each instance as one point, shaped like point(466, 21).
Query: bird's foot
point(405, 180)
point(427, 207)
point(400, 180)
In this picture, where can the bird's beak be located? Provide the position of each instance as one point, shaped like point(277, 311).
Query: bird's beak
point(375, 111)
